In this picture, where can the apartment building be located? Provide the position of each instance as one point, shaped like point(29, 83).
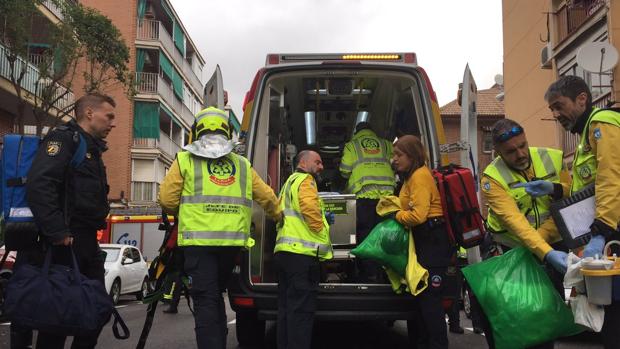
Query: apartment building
point(154, 125)
point(48, 15)
point(541, 42)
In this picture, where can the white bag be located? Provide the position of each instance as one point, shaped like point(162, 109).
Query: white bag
point(586, 314)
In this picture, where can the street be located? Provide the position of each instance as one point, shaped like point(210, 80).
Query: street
point(177, 331)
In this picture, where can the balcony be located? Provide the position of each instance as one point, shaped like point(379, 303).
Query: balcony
point(570, 18)
point(53, 8)
point(150, 30)
point(32, 78)
point(154, 84)
point(164, 143)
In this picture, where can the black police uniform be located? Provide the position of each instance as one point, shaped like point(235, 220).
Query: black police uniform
point(67, 201)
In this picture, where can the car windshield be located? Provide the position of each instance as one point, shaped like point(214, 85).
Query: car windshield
point(112, 254)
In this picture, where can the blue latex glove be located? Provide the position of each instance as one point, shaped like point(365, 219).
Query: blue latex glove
point(595, 246)
point(557, 259)
point(536, 188)
point(330, 217)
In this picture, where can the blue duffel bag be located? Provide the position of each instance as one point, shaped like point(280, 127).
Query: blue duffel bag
point(58, 299)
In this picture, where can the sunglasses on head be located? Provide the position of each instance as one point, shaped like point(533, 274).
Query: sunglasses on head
point(503, 137)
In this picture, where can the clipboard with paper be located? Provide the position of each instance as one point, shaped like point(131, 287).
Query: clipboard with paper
point(574, 215)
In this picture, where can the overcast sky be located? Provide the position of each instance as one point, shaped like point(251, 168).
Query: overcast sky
point(445, 35)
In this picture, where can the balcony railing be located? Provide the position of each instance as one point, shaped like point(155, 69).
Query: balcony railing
point(31, 79)
point(164, 143)
point(53, 9)
point(153, 83)
point(570, 18)
point(151, 30)
point(570, 141)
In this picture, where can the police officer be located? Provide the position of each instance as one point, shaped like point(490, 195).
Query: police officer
point(212, 189)
point(597, 161)
point(302, 241)
point(366, 164)
point(516, 218)
point(70, 204)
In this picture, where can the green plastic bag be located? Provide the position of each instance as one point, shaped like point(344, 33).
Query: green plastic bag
point(522, 306)
point(388, 244)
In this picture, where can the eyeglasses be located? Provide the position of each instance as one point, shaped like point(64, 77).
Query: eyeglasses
point(515, 131)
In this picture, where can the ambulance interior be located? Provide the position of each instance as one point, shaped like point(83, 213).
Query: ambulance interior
point(319, 110)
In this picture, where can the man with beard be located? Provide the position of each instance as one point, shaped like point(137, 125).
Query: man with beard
point(519, 186)
point(597, 161)
point(302, 241)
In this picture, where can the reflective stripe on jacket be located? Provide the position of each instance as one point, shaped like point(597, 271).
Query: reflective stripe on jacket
point(366, 163)
point(294, 235)
point(585, 163)
point(547, 165)
point(216, 200)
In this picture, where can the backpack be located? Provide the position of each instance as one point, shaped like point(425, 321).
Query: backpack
point(18, 153)
point(459, 202)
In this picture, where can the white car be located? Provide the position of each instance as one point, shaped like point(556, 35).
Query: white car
point(126, 271)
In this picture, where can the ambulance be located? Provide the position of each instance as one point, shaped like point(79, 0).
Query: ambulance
point(301, 101)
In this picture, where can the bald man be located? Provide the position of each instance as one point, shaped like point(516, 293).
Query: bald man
point(302, 242)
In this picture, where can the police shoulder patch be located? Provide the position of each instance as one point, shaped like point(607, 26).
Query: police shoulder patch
point(597, 133)
point(53, 148)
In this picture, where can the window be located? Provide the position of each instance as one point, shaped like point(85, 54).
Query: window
point(143, 191)
point(487, 142)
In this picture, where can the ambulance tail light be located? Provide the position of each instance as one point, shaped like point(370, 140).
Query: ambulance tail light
point(245, 302)
point(273, 59)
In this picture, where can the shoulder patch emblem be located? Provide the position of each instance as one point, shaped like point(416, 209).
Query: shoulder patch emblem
point(597, 133)
point(53, 148)
point(486, 186)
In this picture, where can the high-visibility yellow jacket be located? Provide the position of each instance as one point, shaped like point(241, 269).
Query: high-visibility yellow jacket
point(509, 208)
point(599, 160)
point(295, 235)
point(366, 163)
point(219, 194)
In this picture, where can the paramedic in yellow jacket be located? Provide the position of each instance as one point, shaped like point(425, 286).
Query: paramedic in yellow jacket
point(366, 164)
point(597, 161)
point(212, 190)
point(302, 241)
point(516, 218)
point(422, 213)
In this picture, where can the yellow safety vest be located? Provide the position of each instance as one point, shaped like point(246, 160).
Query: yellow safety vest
point(371, 174)
point(547, 164)
point(585, 163)
point(294, 235)
point(216, 201)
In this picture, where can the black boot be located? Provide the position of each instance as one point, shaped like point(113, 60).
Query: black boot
point(172, 309)
point(456, 329)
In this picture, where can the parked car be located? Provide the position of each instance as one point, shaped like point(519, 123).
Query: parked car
point(6, 271)
point(126, 271)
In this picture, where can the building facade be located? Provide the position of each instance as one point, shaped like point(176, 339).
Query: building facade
point(541, 42)
point(154, 125)
point(38, 49)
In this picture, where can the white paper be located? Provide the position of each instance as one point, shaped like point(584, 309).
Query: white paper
point(579, 216)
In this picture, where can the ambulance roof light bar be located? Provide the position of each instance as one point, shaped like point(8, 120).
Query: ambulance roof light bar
point(409, 57)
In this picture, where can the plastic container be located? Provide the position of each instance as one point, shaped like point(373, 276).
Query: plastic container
point(600, 274)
